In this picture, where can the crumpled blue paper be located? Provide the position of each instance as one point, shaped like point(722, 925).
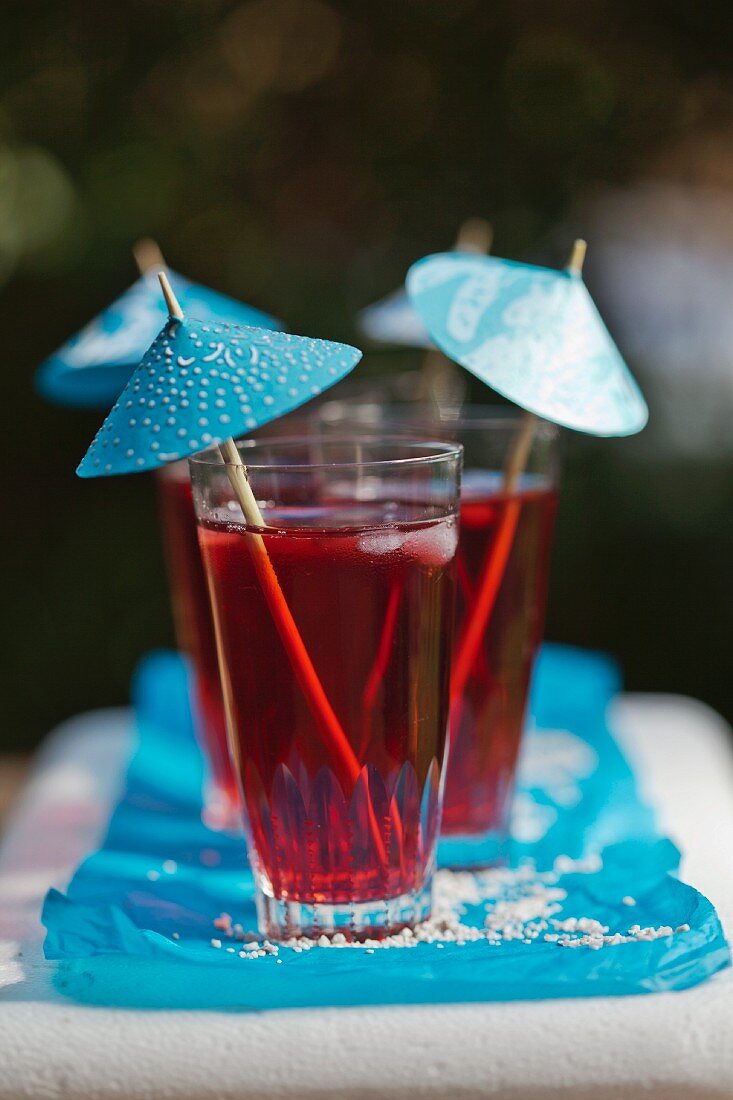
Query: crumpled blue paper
point(161, 871)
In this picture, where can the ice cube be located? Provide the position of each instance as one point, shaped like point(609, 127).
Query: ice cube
point(434, 545)
point(382, 542)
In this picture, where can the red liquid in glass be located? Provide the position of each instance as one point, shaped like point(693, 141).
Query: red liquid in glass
point(195, 633)
point(488, 715)
point(374, 607)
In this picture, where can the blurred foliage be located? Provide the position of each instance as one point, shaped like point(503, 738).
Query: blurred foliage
point(300, 154)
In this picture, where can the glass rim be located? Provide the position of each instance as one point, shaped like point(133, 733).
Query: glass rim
point(435, 451)
point(471, 416)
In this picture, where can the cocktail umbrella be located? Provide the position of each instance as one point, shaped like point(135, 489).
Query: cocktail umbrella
point(91, 368)
point(531, 333)
point(198, 385)
point(535, 336)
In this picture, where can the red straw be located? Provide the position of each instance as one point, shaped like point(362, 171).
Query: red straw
point(475, 628)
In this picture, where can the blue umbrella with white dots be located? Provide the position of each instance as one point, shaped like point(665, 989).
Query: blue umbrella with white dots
point(91, 368)
point(201, 383)
point(198, 385)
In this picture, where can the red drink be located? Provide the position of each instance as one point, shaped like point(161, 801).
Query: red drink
point(488, 706)
point(195, 633)
point(373, 604)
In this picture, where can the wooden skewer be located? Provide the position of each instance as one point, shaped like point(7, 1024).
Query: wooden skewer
point(519, 451)
point(475, 235)
point(577, 257)
point(148, 255)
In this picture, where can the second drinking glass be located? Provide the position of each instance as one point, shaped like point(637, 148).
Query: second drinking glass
point(503, 558)
point(333, 625)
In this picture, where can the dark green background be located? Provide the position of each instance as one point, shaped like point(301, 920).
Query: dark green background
point(300, 154)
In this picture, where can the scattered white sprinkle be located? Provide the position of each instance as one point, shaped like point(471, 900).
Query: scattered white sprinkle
point(521, 905)
point(176, 935)
point(153, 875)
point(170, 866)
point(628, 900)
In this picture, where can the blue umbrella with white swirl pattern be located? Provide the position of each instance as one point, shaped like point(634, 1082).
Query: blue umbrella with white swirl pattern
point(531, 333)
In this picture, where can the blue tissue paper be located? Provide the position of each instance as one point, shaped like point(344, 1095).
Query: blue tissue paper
point(161, 872)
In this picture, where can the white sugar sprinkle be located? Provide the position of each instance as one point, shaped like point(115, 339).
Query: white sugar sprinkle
point(521, 906)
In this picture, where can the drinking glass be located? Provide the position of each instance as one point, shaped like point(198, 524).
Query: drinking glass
point(503, 559)
point(333, 624)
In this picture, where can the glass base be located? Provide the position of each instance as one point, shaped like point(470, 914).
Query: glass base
point(468, 852)
point(281, 920)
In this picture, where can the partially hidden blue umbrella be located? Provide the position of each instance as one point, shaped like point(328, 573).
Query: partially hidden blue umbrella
point(199, 384)
point(394, 319)
point(91, 368)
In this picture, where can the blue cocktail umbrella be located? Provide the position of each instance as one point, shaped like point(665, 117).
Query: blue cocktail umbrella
point(91, 368)
point(202, 382)
point(531, 333)
point(198, 385)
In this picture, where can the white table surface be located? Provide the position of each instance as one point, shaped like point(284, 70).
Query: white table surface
point(673, 1046)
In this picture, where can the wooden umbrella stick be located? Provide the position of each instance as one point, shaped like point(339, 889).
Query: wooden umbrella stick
point(475, 235)
point(148, 255)
point(475, 628)
point(519, 450)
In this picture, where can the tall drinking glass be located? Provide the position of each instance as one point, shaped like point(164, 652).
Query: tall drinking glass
point(334, 624)
point(502, 573)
